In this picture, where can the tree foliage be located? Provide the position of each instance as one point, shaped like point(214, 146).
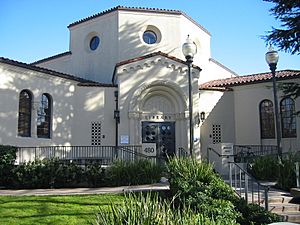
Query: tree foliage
point(286, 38)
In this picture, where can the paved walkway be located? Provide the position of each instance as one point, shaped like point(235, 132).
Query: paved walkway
point(86, 191)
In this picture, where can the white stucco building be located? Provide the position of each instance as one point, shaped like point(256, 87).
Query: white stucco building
point(126, 64)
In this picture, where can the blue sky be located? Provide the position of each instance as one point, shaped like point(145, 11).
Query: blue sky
point(34, 29)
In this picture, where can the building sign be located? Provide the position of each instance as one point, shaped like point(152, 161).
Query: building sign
point(124, 139)
point(149, 149)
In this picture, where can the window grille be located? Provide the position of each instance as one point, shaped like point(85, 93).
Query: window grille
point(216, 133)
point(96, 133)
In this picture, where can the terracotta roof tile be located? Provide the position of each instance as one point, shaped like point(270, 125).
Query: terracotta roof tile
point(250, 79)
point(152, 55)
point(138, 9)
point(52, 73)
point(52, 57)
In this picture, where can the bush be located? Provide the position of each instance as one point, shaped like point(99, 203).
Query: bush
point(134, 173)
point(252, 214)
point(148, 210)
point(196, 184)
point(8, 156)
point(95, 175)
point(265, 168)
point(270, 168)
point(47, 173)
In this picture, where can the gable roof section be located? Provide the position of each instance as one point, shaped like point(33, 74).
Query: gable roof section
point(139, 9)
point(250, 79)
point(83, 82)
point(51, 57)
point(159, 53)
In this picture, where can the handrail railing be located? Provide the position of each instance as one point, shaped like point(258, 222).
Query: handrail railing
point(102, 154)
point(246, 186)
point(297, 174)
point(242, 182)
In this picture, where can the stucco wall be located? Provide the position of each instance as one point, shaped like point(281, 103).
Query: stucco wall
point(247, 100)
point(219, 110)
point(74, 108)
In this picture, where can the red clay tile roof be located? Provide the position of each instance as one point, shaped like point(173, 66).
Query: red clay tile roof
point(51, 57)
point(149, 56)
point(152, 55)
point(138, 9)
point(250, 79)
point(53, 73)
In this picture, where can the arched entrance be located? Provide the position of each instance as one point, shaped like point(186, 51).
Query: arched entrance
point(160, 116)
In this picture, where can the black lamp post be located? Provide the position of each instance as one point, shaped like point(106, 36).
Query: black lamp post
point(272, 59)
point(189, 49)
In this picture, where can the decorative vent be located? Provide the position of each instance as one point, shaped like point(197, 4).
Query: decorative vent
point(96, 133)
point(216, 133)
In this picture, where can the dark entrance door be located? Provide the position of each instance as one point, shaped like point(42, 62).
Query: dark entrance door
point(161, 133)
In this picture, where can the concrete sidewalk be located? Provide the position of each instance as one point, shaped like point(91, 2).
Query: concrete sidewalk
point(86, 191)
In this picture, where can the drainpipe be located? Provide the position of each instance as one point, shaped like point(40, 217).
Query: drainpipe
point(117, 119)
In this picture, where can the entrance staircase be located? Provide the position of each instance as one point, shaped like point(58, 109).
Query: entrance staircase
point(264, 194)
point(253, 191)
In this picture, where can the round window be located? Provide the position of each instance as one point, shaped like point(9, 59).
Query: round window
point(149, 37)
point(94, 43)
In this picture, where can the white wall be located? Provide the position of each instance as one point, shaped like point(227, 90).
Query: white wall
point(121, 39)
point(74, 107)
point(219, 110)
point(247, 99)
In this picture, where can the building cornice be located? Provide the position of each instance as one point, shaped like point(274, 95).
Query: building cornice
point(139, 9)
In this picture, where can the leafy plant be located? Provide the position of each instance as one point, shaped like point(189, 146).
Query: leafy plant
point(7, 160)
point(149, 210)
point(195, 184)
point(265, 168)
point(133, 173)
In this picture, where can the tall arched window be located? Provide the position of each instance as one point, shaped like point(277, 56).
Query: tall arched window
point(24, 118)
point(288, 118)
point(44, 117)
point(267, 125)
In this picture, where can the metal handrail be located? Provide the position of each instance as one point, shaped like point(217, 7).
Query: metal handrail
point(242, 182)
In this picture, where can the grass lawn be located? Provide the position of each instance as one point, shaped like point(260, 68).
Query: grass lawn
point(64, 210)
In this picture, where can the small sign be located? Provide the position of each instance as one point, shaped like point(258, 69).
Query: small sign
point(124, 139)
point(149, 149)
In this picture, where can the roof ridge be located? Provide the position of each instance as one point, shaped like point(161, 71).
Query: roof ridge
point(139, 58)
point(51, 57)
point(44, 70)
point(141, 9)
point(250, 79)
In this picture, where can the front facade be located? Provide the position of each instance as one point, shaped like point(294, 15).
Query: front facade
point(124, 82)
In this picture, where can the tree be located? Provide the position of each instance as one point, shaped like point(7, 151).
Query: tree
point(286, 38)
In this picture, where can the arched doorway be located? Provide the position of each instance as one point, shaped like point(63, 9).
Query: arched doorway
point(160, 108)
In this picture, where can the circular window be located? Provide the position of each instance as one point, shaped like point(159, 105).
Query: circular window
point(149, 37)
point(94, 43)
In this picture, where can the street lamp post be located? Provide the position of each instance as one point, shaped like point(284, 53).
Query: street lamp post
point(189, 49)
point(272, 59)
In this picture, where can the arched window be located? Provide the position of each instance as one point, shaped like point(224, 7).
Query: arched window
point(288, 118)
point(44, 117)
point(267, 125)
point(24, 118)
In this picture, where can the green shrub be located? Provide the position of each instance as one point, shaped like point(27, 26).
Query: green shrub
point(47, 173)
point(95, 175)
point(252, 214)
point(287, 178)
point(265, 168)
point(150, 210)
point(271, 168)
point(8, 156)
point(196, 185)
point(133, 173)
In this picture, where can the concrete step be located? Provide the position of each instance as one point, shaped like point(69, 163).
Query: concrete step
point(291, 217)
point(286, 207)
